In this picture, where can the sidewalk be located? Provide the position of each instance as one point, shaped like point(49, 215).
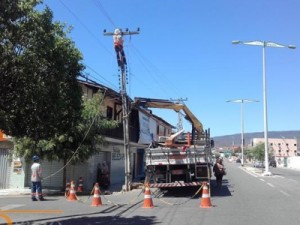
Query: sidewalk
point(114, 189)
point(260, 171)
point(25, 191)
point(15, 191)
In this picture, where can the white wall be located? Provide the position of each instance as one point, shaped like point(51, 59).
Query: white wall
point(294, 162)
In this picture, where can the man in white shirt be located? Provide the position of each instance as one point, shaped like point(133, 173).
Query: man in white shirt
point(36, 179)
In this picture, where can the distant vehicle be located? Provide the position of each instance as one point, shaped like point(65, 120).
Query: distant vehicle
point(259, 164)
point(238, 161)
point(272, 163)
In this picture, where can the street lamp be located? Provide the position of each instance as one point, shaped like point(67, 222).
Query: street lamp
point(242, 101)
point(265, 44)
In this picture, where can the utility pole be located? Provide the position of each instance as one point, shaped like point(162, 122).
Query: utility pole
point(179, 124)
point(122, 64)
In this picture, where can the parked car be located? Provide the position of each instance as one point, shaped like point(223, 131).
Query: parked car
point(238, 160)
point(259, 164)
point(272, 163)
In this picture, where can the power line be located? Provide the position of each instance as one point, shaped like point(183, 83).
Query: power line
point(87, 29)
point(156, 74)
point(102, 9)
point(101, 77)
point(96, 38)
point(143, 60)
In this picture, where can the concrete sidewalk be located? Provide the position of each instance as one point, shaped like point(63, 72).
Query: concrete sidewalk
point(114, 189)
point(25, 191)
point(15, 191)
point(260, 171)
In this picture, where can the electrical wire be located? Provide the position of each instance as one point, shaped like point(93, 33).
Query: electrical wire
point(101, 77)
point(102, 9)
point(149, 67)
point(157, 79)
point(156, 75)
point(85, 135)
point(87, 29)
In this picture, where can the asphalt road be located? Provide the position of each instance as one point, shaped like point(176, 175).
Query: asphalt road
point(245, 198)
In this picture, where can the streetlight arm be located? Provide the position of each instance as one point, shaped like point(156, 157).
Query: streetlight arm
point(292, 46)
point(264, 43)
point(236, 42)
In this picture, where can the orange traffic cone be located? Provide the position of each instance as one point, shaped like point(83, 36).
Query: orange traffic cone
point(147, 198)
point(205, 200)
point(72, 194)
point(80, 185)
point(67, 190)
point(96, 198)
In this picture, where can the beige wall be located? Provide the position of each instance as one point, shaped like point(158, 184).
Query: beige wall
point(281, 147)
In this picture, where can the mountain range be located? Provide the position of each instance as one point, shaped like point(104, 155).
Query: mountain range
point(235, 139)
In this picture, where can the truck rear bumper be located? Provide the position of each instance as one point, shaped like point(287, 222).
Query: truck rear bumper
point(175, 184)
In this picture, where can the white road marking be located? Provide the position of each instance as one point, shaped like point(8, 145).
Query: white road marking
point(271, 185)
point(283, 192)
point(250, 173)
point(262, 179)
point(12, 206)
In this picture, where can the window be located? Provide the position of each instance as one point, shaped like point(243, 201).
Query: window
point(109, 112)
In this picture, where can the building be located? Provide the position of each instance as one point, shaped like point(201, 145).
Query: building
point(282, 149)
point(5, 165)
point(108, 163)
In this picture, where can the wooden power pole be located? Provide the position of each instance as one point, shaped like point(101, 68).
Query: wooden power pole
point(122, 64)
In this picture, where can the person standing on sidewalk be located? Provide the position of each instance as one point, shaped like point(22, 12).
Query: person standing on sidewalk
point(36, 179)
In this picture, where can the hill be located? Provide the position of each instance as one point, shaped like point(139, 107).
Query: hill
point(235, 139)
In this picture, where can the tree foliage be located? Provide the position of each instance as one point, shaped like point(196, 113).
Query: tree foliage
point(39, 94)
point(78, 144)
point(258, 152)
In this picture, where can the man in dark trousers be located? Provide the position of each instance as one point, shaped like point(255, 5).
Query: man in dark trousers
point(219, 171)
point(118, 43)
point(36, 179)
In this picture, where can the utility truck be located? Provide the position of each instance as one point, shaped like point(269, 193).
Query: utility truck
point(182, 159)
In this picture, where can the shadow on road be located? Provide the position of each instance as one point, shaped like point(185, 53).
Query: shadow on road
point(181, 192)
point(137, 220)
point(221, 192)
point(96, 220)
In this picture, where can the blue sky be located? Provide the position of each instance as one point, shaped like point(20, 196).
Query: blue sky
point(184, 50)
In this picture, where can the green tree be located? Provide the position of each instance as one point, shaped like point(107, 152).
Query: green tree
point(248, 154)
point(40, 97)
point(78, 144)
point(258, 152)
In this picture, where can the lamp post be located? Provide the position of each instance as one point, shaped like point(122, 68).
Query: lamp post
point(242, 101)
point(265, 44)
